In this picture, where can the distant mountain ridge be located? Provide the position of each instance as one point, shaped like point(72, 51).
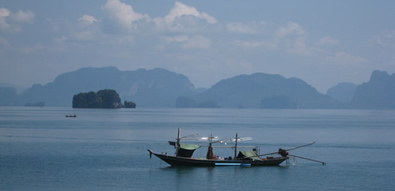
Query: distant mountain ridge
point(148, 88)
point(163, 88)
point(343, 92)
point(377, 93)
point(250, 91)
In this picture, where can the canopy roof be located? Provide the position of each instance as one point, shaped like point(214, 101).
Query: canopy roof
point(187, 146)
point(248, 155)
point(186, 150)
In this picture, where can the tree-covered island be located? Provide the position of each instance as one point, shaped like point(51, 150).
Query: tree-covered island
point(106, 98)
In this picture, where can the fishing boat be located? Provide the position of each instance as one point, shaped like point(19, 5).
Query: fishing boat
point(184, 152)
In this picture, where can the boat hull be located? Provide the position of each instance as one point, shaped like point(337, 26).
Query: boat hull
point(183, 161)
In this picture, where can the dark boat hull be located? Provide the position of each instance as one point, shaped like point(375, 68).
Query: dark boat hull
point(183, 161)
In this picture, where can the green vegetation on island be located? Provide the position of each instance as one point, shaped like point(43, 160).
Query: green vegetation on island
point(106, 98)
point(129, 104)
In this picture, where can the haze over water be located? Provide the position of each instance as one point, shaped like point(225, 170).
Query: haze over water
point(41, 149)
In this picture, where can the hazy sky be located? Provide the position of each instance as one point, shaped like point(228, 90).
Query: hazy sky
point(320, 42)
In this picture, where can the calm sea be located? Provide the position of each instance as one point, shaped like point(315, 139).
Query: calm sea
point(41, 149)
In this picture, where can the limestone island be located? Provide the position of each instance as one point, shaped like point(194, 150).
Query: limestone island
point(106, 98)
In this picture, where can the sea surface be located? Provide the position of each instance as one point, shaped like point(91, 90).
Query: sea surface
point(106, 149)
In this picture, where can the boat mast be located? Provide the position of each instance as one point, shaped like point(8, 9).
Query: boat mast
point(210, 154)
point(235, 146)
point(211, 141)
point(178, 140)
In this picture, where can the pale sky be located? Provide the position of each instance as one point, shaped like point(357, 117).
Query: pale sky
point(320, 42)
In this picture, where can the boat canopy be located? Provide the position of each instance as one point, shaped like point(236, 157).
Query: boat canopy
point(186, 150)
point(248, 155)
point(187, 146)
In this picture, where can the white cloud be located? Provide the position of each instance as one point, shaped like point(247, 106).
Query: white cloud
point(298, 46)
point(23, 17)
point(328, 41)
point(386, 39)
point(255, 44)
point(87, 30)
point(123, 14)
point(4, 13)
point(181, 9)
point(87, 19)
point(60, 39)
point(290, 29)
point(346, 59)
point(249, 28)
point(196, 41)
point(181, 38)
point(12, 21)
point(290, 38)
point(183, 18)
point(121, 18)
point(293, 38)
point(83, 35)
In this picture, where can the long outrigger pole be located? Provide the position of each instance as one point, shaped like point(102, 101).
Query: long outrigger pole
point(288, 149)
point(323, 163)
point(300, 146)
